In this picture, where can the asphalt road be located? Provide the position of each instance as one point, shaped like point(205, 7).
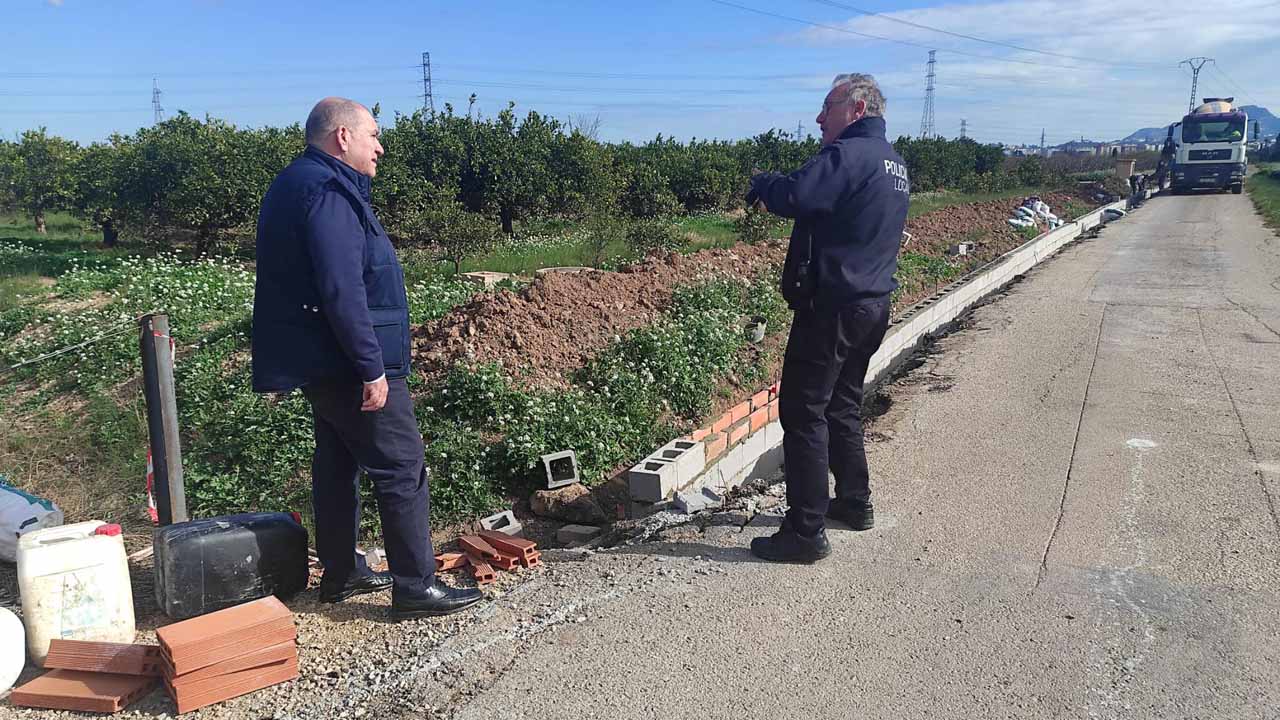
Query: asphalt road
point(1077, 500)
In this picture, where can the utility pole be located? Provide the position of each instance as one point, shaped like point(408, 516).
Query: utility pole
point(155, 101)
point(799, 130)
point(1044, 152)
point(926, 120)
point(428, 102)
point(964, 126)
point(1195, 64)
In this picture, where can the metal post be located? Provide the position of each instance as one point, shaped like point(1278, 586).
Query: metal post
point(162, 418)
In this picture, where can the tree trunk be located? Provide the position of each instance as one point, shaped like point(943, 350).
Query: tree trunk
point(204, 241)
point(40, 226)
point(110, 236)
point(506, 220)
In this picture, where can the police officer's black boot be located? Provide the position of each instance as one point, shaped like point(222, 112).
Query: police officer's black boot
point(856, 515)
point(788, 546)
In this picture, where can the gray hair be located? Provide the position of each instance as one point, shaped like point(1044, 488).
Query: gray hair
point(331, 113)
point(863, 87)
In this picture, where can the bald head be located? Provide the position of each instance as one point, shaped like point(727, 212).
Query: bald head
point(346, 130)
point(332, 113)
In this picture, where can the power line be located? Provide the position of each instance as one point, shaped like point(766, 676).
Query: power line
point(208, 73)
point(930, 28)
point(1218, 69)
point(847, 31)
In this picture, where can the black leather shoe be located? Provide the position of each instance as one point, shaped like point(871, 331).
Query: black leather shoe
point(856, 515)
point(439, 599)
point(359, 585)
point(788, 547)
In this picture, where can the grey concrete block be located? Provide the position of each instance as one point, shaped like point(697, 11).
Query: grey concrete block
point(691, 501)
point(689, 457)
point(504, 522)
point(653, 480)
point(576, 534)
point(561, 468)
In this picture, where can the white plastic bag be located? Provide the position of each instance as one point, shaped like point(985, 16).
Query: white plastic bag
point(21, 513)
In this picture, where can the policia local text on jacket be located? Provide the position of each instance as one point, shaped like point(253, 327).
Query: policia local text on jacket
point(331, 313)
point(850, 207)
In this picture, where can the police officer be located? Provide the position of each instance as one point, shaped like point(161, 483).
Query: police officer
point(331, 316)
point(849, 204)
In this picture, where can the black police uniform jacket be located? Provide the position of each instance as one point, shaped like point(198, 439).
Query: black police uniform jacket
point(330, 302)
point(850, 200)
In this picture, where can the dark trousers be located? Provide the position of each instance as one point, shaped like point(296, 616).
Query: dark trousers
point(820, 406)
point(387, 445)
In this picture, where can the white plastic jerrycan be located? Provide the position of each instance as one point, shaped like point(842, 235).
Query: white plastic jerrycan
point(75, 586)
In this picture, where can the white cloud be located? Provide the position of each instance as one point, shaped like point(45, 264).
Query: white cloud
point(1134, 81)
point(55, 3)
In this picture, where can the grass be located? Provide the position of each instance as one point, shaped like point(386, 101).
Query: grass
point(1264, 190)
point(710, 230)
point(560, 242)
point(15, 290)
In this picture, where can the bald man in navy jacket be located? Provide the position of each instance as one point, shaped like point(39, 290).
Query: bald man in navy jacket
point(331, 317)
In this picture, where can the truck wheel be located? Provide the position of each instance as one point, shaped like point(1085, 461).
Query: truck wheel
point(1237, 189)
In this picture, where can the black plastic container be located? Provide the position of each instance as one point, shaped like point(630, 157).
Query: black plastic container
point(215, 563)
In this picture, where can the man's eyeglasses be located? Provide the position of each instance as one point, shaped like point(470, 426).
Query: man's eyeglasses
point(827, 104)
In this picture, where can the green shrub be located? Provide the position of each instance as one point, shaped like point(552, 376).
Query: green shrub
point(604, 231)
point(754, 225)
point(646, 235)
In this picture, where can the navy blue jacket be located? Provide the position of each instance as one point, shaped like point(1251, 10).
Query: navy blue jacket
point(851, 199)
point(330, 302)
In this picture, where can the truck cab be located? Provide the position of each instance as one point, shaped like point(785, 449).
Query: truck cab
point(1211, 144)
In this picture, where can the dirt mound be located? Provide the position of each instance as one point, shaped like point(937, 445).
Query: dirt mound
point(544, 332)
point(982, 223)
point(560, 321)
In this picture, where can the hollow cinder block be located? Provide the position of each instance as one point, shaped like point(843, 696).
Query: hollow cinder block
point(652, 480)
point(561, 468)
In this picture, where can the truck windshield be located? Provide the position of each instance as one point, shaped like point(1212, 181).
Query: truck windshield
point(1195, 131)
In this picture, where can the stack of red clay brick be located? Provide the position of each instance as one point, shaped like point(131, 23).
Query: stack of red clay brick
point(228, 653)
point(91, 677)
point(488, 549)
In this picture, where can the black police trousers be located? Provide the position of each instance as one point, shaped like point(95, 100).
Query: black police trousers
point(820, 406)
point(387, 445)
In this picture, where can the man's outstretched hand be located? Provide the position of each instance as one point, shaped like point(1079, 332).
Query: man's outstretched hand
point(375, 395)
point(753, 195)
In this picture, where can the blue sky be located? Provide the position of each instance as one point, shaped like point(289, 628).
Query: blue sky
point(1097, 68)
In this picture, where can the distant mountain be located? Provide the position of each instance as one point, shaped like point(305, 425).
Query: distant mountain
point(1270, 126)
point(1146, 135)
point(1270, 123)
